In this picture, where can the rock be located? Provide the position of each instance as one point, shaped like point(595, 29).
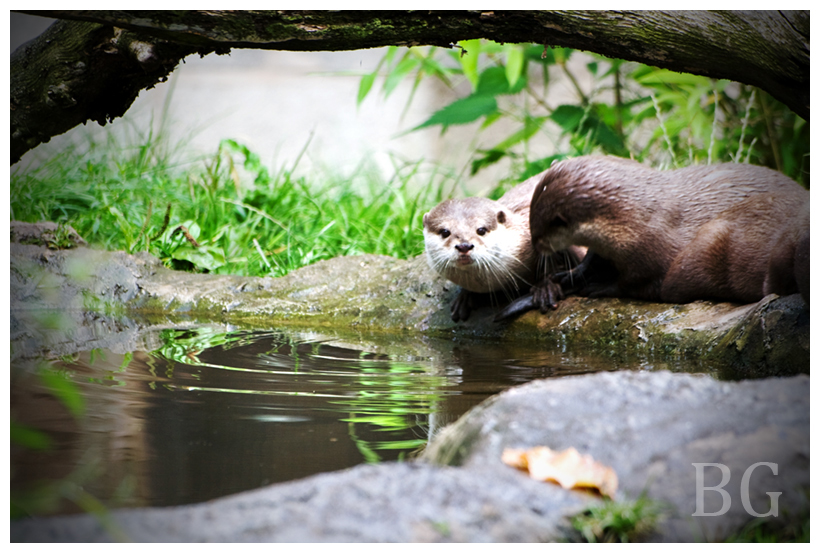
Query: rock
point(391, 502)
point(45, 233)
point(379, 293)
point(652, 428)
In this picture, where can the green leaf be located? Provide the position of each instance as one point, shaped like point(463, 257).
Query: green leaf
point(490, 119)
point(490, 157)
point(404, 67)
point(539, 165)
point(531, 126)
point(567, 117)
point(364, 87)
point(493, 81)
point(665, 76)
point(515, 63)
point(562, 55)
point(462, 111)
point(469, 61)
point(204, 257)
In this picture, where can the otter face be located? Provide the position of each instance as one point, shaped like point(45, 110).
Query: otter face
point(471, 242)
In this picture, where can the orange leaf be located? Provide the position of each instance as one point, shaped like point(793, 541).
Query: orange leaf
point(568, 468)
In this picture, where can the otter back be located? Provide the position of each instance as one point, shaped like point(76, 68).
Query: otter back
point(727, 231)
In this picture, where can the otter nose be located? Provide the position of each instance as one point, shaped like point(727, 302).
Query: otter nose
point(464, 248)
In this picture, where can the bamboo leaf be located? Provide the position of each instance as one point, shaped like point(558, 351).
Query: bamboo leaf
point(462, 111)
point(469, 60)
point(515, 63)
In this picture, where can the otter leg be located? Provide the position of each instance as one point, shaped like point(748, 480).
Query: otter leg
point(801, 265)
point(462, 306)
point(593, 277)
point(788, 268)
point(575, 273)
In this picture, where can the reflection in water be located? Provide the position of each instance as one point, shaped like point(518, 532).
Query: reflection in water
point(212, 413)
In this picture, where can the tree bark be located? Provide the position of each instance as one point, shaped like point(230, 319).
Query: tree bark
point(765, 49)
point(78, 71)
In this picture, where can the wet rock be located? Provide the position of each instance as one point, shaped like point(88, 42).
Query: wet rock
point(652, 428)
point(378, 293)
point(392, 502)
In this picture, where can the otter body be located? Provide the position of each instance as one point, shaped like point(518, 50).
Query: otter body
point(484, 245)
point(731, 232)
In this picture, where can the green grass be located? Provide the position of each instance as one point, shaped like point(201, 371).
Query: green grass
point(633, 520)
point(618, 521)
point(228, 213)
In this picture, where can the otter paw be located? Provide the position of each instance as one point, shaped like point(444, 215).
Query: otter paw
point(546, 294)
point(462, 306)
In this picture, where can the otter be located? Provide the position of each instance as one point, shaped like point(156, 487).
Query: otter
point(484, 246)
point(727, 232)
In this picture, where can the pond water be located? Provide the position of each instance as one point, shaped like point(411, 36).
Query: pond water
point(210, 412)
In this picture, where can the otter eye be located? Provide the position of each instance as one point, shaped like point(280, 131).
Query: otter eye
point(481, 231)
point(444, 233)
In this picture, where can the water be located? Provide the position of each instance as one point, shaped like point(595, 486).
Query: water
point(211, 412)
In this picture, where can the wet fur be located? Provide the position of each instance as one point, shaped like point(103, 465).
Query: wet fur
point(502, 259)
point(724, 232)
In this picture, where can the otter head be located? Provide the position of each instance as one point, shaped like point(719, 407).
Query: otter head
point(476, 243)
point(551, 221)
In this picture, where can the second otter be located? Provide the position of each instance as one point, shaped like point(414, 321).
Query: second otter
point(725, 232)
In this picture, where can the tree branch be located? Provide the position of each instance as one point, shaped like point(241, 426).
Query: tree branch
point(765, 49)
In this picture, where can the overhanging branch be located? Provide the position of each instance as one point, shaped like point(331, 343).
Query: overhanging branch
point(765, 49)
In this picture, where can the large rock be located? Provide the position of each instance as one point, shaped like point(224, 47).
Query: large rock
point(391, 502)
point(650, 427)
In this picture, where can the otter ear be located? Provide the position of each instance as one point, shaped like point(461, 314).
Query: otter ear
point(502, 218)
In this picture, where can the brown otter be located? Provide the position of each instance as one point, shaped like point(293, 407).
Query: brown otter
point(731, 232)
point(484, 246)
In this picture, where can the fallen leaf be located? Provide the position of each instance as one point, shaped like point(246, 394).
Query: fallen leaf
point(568, 468)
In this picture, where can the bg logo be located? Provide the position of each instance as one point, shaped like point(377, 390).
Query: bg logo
point(727, 500)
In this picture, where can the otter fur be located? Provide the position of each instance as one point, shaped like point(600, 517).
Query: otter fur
point(732, 232)
point(484, 246)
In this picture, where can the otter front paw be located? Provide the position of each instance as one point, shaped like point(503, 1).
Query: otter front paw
point(546, 294)
point(462, 306)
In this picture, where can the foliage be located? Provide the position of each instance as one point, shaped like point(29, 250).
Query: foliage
point(618, 521)
point(228, 213)
point(631, 110)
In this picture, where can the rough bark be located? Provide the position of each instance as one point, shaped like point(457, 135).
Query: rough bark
point(765, 49)
point(78, 71)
